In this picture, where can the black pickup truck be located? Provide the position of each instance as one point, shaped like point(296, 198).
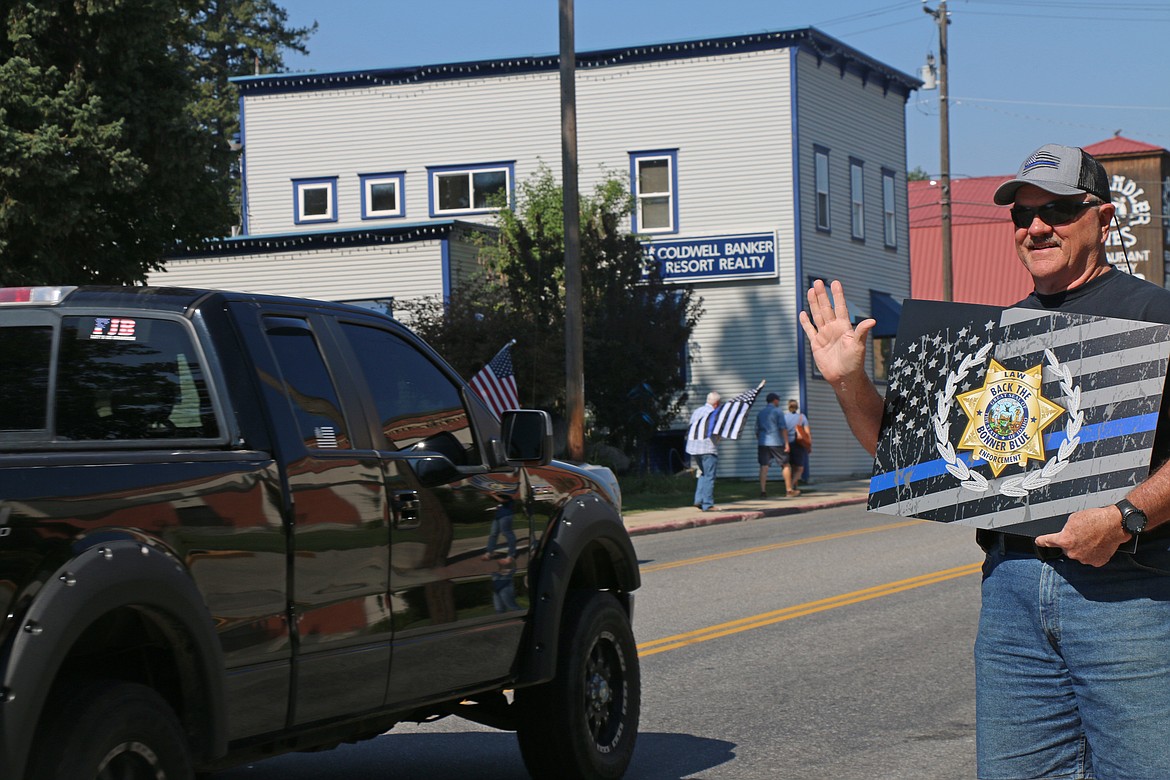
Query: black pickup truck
point(236, 525)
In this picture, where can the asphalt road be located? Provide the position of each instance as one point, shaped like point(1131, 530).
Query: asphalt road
point(832, 644)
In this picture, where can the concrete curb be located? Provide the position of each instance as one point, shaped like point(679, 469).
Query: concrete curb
point(636, 528)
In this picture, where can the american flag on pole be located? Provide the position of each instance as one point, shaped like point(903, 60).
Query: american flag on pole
point(942, 425)
point(495, 383)
point(727, 420)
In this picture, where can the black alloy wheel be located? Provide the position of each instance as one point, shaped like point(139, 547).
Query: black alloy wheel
point(582, 725)
point(110, 730)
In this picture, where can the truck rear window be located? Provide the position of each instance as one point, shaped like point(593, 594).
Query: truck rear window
point(116, 378)
point(24, 376)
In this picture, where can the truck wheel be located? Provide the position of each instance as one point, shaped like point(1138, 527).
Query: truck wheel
point(583, 723)
point(111, 729)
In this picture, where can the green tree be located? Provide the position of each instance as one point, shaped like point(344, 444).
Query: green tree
point(918, 174)
point(113, 128)
point(101, 168)
point(231, 38)
point(636, 327)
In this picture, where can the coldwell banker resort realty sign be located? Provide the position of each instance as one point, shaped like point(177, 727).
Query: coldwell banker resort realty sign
point(714, 258)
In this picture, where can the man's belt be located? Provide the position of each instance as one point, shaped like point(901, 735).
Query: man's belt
point(1002, 542)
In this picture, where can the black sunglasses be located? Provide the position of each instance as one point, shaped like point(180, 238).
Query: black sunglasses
point(1058, 212)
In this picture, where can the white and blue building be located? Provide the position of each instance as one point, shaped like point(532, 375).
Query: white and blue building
point(758, 163)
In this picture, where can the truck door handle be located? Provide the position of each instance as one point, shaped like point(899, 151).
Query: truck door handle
point(406, 510)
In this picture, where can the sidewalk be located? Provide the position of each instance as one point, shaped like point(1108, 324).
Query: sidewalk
point(819, 495)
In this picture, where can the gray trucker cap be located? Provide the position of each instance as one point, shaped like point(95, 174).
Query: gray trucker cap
point(1061, 170)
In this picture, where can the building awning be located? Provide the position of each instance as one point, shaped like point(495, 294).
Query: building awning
point(887, 310)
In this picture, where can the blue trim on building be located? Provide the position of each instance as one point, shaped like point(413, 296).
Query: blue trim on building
point(823, 47)
point(243, 171)
point(326, 239)
point(301, 184)
point(797, 237)
point(672, 155)
point(399, 193)
point(471, 168)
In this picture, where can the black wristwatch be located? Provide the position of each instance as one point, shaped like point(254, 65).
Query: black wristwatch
point(1133, 519)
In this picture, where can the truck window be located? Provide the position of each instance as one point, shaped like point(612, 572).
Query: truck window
point(418, 405)
point(25, 353)
point(307, 384)
point(126, 377)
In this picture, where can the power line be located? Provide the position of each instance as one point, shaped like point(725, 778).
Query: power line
point(1158, 7)
point(867, 14)
point(1061, 105)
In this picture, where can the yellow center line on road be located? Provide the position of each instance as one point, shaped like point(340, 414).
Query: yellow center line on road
point(779, 546)
point(800, 610)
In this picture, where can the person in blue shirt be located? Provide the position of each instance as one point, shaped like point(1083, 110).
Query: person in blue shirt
point(772, 441)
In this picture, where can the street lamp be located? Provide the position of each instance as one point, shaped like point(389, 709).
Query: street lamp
point(944, 142)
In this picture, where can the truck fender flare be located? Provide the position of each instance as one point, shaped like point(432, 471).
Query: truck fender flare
point(585, 522)
point(109, 574)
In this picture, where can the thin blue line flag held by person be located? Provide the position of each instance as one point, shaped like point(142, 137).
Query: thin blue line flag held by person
point(495, 383)
point(727, 420)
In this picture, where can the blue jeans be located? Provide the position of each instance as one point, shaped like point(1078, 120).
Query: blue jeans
point(705, 488)
point(1072, 668)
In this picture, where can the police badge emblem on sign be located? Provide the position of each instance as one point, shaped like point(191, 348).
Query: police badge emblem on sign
point(1017, 418)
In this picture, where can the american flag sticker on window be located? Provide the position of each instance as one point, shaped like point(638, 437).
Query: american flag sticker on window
point(1016, 417)
point(114, 329)
point(326, 437)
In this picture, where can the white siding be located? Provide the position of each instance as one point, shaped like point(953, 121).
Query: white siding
point(860, 121)
point(404, 270)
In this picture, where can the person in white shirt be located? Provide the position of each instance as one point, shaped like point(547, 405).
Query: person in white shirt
point(704, 453)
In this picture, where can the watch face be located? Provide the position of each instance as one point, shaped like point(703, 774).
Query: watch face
point(1133, 520)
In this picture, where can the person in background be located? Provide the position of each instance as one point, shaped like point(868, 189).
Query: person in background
point(502, 517)
point(704, 451)
point(772, 441)
point(1072, 658)
point(797, 454)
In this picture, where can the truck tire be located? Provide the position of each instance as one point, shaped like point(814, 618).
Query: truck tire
point(111, 729)
point(583, 723)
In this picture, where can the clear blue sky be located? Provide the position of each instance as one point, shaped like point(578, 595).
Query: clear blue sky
point(1022, 72)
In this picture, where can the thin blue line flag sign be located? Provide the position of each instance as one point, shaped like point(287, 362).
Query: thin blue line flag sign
point(1016, 418)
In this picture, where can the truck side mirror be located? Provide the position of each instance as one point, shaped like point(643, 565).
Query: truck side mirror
point(434, 470)
point(527, 437)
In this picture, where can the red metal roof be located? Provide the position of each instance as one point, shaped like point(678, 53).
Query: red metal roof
point(984, 265)
point(1120, 145)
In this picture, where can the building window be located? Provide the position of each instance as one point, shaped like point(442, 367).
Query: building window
point(821, 168)
point(654, 182)
point(382, 195)
point(889, 209)
point(314, 200)
point(857, 198)
point(470, 189)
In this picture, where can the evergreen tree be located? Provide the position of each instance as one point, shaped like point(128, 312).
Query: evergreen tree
point(108, 158)
point(231, 38)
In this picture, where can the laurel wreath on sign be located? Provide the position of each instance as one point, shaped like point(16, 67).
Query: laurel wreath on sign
point(942, 423)
point(1038, 478)
point(1017, 486)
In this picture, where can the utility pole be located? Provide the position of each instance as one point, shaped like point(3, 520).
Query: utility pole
point(944, 147)
point(574, 328)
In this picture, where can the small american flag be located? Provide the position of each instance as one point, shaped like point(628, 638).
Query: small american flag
point(495, 383)
point(727, 420)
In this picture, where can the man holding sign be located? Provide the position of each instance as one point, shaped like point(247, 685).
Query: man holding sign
point(1073, 654)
